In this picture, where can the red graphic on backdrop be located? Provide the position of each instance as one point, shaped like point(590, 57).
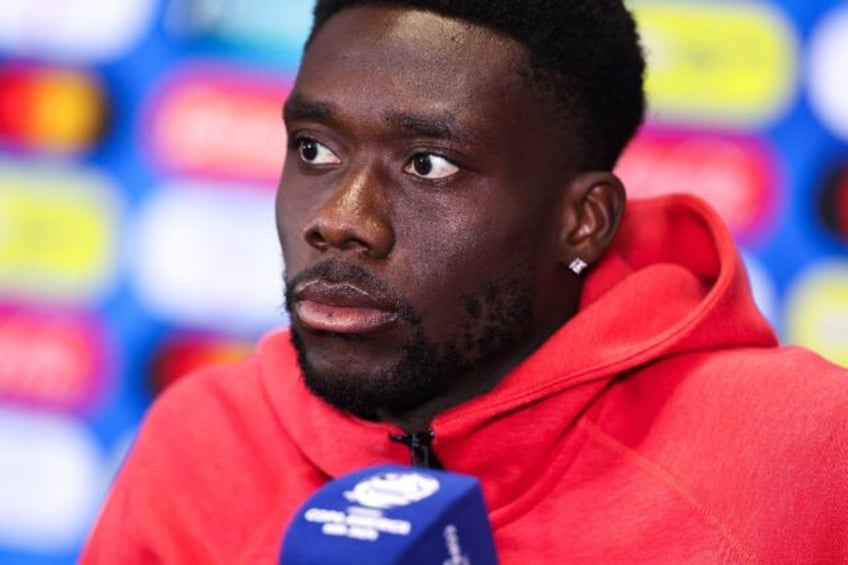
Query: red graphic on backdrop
point(736, 175)
point(833, 203)
point(50, 110)
point(219, 123)
point(49, 359)
point(842, 206)
point(183, 354)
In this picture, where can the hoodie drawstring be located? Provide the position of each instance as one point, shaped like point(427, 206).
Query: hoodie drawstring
point(422, 454)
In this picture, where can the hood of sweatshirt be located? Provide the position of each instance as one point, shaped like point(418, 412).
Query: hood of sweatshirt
point(671, 283)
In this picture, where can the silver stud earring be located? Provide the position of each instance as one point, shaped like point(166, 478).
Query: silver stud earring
point(578, 266)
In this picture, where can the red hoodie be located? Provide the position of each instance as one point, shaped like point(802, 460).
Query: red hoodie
point(662, 424)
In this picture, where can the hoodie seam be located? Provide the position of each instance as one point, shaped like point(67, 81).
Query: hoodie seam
point(663, 475)
point(645, 354)
point(625, 364)
point(543, 483)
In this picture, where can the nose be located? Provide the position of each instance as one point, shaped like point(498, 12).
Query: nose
point(355, 218)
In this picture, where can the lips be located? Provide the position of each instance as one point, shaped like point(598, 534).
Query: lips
point(341, 307)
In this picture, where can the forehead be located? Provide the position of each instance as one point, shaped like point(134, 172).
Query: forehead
point(377, 58)
point(399, 34)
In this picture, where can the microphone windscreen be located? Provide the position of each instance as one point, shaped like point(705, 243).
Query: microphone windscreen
point(392, 514)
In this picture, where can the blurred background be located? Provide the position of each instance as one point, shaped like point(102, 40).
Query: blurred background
point(140, 146)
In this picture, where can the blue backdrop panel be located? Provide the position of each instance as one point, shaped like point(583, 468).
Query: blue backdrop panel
point(140, 146)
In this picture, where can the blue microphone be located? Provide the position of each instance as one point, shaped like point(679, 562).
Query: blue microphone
point(392, 514)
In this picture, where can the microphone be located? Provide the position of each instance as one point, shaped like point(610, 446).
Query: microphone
point(392, 514)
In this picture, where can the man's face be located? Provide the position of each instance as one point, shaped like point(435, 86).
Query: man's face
point(417, 210)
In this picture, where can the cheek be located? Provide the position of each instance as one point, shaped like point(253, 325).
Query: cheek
point(454, 255)
point(295, 205)
point(285, 221)
point(295, 251)
point(482, 230)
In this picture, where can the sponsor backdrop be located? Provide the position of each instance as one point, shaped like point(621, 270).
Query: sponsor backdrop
point(140, 145)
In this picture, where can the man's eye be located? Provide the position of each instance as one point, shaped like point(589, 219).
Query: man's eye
point(429, 166)
point(315, 153)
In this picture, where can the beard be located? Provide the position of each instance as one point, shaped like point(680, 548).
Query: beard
point(493, 323)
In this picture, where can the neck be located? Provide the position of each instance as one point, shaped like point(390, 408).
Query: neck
point(486, 375)
point(472, 384)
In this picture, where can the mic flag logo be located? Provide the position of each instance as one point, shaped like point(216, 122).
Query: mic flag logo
point(392, 514)
point(389, 490)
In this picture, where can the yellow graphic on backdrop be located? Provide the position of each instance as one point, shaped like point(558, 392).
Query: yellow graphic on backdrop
point(57, 234)
point(817, 311)
point(68, 111)
point(728, 63)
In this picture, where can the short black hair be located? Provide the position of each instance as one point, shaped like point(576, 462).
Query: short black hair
point(585, 54)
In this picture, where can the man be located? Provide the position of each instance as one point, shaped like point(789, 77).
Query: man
point(467, 291)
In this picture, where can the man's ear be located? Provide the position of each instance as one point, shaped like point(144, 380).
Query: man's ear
point(592, 209)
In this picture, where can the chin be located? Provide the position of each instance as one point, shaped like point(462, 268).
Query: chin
point(357, 353)
point(361, 378)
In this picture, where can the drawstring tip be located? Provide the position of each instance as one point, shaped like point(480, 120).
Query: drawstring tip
point(421, 451)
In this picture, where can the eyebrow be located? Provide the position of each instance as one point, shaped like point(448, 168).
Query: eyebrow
point(440, 126)
point(437, 126)
point(298, 108)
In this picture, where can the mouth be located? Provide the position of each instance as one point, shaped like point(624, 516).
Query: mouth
point(341, 308)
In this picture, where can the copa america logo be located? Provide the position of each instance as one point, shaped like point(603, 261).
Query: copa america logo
point(389, 490)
